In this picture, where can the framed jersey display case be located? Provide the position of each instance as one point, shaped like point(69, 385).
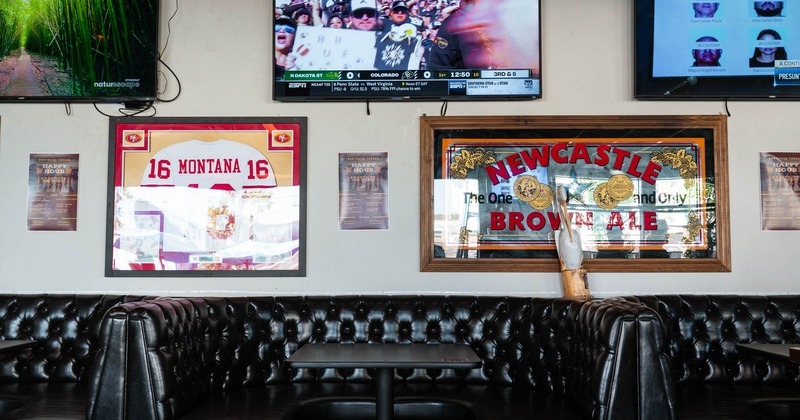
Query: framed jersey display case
point(206, 197)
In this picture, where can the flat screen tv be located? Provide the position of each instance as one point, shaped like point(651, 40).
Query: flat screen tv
point(78, 51)
point(397, 50)
point(724, 49)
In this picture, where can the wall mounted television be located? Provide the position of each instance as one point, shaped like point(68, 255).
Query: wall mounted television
point(725, 49)
point(79, 51)
point(396, 50)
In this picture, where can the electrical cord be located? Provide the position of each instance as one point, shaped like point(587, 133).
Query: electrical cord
point(132, 111)
point(161, 54)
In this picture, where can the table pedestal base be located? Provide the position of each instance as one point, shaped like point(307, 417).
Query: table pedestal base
point(384, 406)
point(404, 409)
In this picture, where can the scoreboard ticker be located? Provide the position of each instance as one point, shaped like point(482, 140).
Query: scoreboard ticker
point(409, 83)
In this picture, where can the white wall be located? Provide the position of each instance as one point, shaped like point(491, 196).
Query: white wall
point(222, 53)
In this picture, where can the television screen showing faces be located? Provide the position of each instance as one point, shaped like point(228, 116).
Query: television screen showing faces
point(720, 49)
point(423, 49)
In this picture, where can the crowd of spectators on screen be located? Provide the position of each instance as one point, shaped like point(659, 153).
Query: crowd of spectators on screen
point(421, 34)
point(379, 16)
point(347, 13)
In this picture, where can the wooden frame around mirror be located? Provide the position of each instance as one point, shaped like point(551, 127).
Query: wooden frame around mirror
point(671, 213)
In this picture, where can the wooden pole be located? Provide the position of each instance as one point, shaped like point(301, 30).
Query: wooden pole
point(576, 284)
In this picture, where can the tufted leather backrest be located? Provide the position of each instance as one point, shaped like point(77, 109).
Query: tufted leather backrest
point(702, 332)
point(173, 352)
point(508, 333)
point(614, 365)
point(176, 351)
point(66, 328)
point(156, 359)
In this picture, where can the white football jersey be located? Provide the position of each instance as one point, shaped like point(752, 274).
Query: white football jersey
point(217, 165)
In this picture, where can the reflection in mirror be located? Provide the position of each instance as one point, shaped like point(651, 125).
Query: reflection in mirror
point(640, 192)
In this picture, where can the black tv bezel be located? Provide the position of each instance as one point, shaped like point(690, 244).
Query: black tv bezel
point(403, 98)
point(735, 88)
point(129, 101)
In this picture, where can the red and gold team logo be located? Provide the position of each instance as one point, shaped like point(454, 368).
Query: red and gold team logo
point(133, 138)
point(282, 138)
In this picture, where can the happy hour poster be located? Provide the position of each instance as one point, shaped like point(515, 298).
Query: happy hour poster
point(53, 192)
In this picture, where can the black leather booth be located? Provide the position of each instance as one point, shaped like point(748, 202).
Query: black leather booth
point(203, 358)
point(714, 380)
point(50, 380)
point(639, 357)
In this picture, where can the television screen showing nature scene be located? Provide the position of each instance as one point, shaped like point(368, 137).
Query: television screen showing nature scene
point(78, 50)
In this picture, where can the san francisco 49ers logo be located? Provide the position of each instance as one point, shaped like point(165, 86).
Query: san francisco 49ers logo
point(133, 138)
point(282, 137)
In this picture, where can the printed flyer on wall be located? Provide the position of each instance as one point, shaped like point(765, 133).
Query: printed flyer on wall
point(53, 192)
point(363, 191)
point(780, 190)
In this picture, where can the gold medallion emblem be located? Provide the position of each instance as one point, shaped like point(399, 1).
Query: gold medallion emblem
point(544, 200)
point(602, 199)
point(620, 187)
point(527, 188)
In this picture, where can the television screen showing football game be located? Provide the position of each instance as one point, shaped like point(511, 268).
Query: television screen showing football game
point(415, 50)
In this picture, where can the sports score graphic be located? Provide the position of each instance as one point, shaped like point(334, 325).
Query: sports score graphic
point(194, 196)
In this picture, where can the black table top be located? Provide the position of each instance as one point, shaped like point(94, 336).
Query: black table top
point(769, 350)
point(9, 345)
point(384, 355)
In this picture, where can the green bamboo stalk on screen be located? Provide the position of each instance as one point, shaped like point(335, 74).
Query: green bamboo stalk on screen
point(10, 28)
point(91, 40)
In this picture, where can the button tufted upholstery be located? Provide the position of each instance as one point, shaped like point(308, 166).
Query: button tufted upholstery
point(615, 347)
point(703, 331)
point(638, 357)
point(714, 379)
point(192, 357)
point(66, 329)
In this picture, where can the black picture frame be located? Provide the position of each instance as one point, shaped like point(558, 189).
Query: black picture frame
point(206, 196)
